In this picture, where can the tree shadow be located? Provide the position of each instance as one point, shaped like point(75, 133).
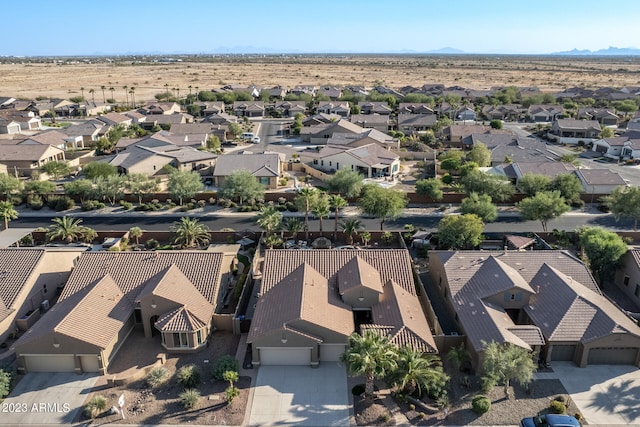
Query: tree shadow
point(621, 398)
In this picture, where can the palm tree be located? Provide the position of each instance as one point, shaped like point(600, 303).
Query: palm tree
point(304, 199)
point(293, 226)
point(189, 232)
point(126, 94)
point(66, 228)
point(82, 91)
point(417, 371)
point(366, 237)
point(8, 212)
point(136, 233)
point(133, 96)
point(93, 96)
point(336, 202)
point(321, 208)
point(269, 218)
point(351, 227)
point(458, 356)
point(112, 90)
point(272, 240)
point(104, 98)
point(371, 355)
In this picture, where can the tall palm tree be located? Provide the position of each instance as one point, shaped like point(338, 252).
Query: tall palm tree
point(321, 207)
point(304, 200)
point(126, 94)
point(272, 240)
point(336, 202)
point(133, 96)
point(269, 218)
point(351, 227)
point(189, 232)
point(93, 95)
point(82, 91)
point(112, 90)
point(104, 98)
point(417, 371)
point(66, 228)
point(371, 355)
point(293, 226)
point(7, 212)
point(136, 233)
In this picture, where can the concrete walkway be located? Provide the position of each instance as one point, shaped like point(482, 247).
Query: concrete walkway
point(604, 394)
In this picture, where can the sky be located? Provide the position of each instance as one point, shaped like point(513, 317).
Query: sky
point(120, 27)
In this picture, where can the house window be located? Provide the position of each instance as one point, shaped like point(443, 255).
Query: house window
point(329, 162)
point(264, 180)
point(321, 162)
point(637, 292)
point(315, 161)
point(626, 280)
point(337, 165)
point(199, 336)
point(180, 339)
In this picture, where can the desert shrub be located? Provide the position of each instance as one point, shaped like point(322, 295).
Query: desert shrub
point(202, 203)
point(95, 406)
point(412, 406)
point(152, 244)
point(89, 205)
point(385, 417)
point(189, 398)
point(223, 364)
point(5, 383)
point(557, 407)
point(189, 376)
point(447, 179)
point(126, 205)
point(60, 203)
point(480, 404)
point(291, 207)
point(443, 400)
point(212, 200)
point(35, 201)
point(231, 393)
point(157, 376)
point(422, 415)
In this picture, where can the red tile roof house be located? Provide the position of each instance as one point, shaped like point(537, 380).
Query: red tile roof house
point(170, 295)
point(27, 278)
point(543, 301)
point(310, 301)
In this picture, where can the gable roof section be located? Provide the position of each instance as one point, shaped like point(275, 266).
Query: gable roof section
point(358, 273)
point(180, 320)
point(257, 164)
point(600, 177)
point(16, 267)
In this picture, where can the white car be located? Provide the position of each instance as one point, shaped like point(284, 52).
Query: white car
point(256, 140)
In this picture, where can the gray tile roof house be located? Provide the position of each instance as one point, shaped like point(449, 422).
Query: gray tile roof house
point(517, 170)
point(544, 301)
point(151, 155)
point(110, 294)
point(265, 167)
point(599, 181)
point(371, 160)
point(507, 147)
point(304, 314)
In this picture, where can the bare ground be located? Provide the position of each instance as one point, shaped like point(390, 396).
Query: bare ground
point(63, 80)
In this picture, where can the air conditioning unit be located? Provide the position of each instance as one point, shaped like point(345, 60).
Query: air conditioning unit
point(44, 305)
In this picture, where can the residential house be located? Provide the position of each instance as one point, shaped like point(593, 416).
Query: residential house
point(91, 108)
point(331, 91)
point(290, 108)
point(319, 119)
point(367, 136)
point(310, 302)
point(161, 108)
point(416, 123)
point(221, 119)
point(610, 147)
point(304, 90)
point(371, 160)
point(342, 109)
point(116, 119)
point(23, 159)
point(267, 168)
point(319, 134)
point(166, 120)
point(548, 303)
point(61, 107)
point(370, 107)
point(506, 112)
point(380, 122)
point(603, 116)
point(572, 131)
point(277, 92)
point(544, 113)
point(29, 278)
point(466, 113)
point(506, 148)
point(631, 150)
point(248, 108)
point(599, 181)
point(210, 108)
point(551, 169)
point(56, 139)
point(172, 296)
point(90, 131)
point(414, 108)
point(136, 118)
point(7, 102)
point(452, 136)
point(9, 126)
point(27, 120)
point(627, 278)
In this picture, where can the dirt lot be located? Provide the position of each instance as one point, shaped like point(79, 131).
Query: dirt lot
point(63, 80)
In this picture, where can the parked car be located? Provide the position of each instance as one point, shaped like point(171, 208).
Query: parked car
point(256, 140)
point(550, 420)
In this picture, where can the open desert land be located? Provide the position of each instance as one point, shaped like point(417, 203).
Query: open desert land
point(62, 78)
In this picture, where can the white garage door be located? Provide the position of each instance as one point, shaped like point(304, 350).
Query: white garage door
point(612, 356)
point(285, 356)
point(331, 352)
point(50, 363)
point(90, 363)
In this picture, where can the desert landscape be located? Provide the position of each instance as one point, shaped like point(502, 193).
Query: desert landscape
point(64, 77)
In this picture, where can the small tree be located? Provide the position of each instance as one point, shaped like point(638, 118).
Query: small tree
point(459, 356)
point(479, 205)
point(497, 187)
point(293, 226)
point(8, 212)
point(430, 187)
point(242, 186)
point(346, 182)
point(365, 237)
point(56, 169)
point(9, 185)
point(336, 202)
point(495, 124)
point(624, 202)
point(543, 207)
point(351, 227)
point(140, 185)
point(321, 208)
point(603, 250)
point(5, 383)
point(269, 219)
point(530, 184)
point(184, 185)
point(189, 232)
point(460, 231)
point(304, 201)
point(80, 188)
point(222, 365)
point(136, 233)
point(96, 169)
point(382, 203)
point(569, 187)
point(480, 154)
point(505, 362)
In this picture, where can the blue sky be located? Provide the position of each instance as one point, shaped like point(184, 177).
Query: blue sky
point(86, 27)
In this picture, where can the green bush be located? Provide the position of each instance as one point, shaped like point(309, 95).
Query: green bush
point(189, 398)
point(291, 207)
point(35, 201)
point(157, 376)
point(480, 404)
point(95, 406)
point(557, 407)
point(126, 205)
point(231, 393)
point(60, 203)
point(189, 376)
point(5, 383)
point(152, 244)
point(447, 179)
point(89, 205)
point(223, 364)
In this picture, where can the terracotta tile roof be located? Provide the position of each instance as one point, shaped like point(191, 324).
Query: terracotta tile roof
point(356, 273)
point(132, 270)
point(16, 268)
point(173, 285)
point(401, 314)
point(567, 311)
point(180, 320)
point(301, 296)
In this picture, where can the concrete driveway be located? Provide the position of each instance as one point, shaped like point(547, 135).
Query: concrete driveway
point(605, 394)
point(301, 396)
point(47, 398)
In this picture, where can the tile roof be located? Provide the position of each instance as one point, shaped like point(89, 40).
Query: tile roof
point(16, 268)
point(257, 164)
point(358, 273)
point(578, 124)
point(132, 270)
point(26, 152)
point(601, 177)
point(550, 169)
point(180, 320)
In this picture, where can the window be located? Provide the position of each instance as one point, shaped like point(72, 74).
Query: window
point(626, 280)
point(180, 339)
point(315, 161)
point(637, 292)
point(321, 162)
point(337, 165)
point(329, 162)
point(199, 336)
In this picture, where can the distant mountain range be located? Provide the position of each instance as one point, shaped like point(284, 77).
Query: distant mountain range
point(610, 51)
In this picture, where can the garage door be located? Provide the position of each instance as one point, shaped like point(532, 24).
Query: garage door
point(285, 356)
point(90, 363)
point(50, 363)
point(563, 352)
point(613, 356)
point(331, 352)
